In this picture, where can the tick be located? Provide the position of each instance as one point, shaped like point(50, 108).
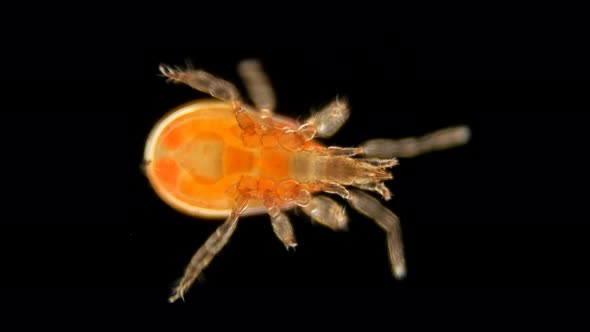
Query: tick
point(221, 158)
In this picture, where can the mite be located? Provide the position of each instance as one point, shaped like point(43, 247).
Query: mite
point(221, 158)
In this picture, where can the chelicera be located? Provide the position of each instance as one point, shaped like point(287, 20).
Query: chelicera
point(222, 158)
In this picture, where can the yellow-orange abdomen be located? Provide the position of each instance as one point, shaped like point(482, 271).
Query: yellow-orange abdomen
point(195, 156)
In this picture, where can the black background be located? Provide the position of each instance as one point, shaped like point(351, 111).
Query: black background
point(497, 224)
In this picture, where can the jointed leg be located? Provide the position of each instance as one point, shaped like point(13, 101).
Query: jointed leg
point(326, 123)
point(281, 225)
point(328, 120)
point(258, 85)
point(377, 187)
point(389, 222)
point(212, 246)
point(327, 212)
point(413, 146)
point(337, 151)
point(203, 81)
point(386, 163)
point(333, 188)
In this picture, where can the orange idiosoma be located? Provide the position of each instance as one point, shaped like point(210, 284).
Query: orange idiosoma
point(196, 156)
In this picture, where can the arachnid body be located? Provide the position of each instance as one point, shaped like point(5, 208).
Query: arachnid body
point(222, 158)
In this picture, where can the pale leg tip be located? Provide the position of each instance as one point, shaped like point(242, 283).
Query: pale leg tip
point(175, 297)
point(399, 272)
point(463, 134)
point(166, 70)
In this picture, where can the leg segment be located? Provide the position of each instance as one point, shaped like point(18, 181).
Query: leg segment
point(385, 163)
point(212, 246)
point(389, 222)
point(332, 188)
point(330, 118)
point(413, 146)
point(282, 226)
point(258, 85)
point(377, 187)
point(327, 212)
point(202, 81)
point(337, 151)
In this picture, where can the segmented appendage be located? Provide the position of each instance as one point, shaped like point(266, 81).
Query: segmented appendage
point(327, 212)
point(202, 81)
point(261, 131)
point(273, 193)
point(328, 120)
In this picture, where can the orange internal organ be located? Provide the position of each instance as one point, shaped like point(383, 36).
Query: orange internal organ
point(237, 160)
point(274, 163)
point(166, 170)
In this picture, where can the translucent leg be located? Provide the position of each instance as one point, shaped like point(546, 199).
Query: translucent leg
point(377, 187)
point(334, 188)
point(258, 85)
point(337, 151)
point(202, 81)
point(329, 120)
point(282, 227)
point(413, 146)
point(389, 222)
point(385, 163)
point(202, 258)
point(327, 212)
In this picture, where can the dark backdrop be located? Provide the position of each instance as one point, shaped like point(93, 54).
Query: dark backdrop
point(496, 223)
